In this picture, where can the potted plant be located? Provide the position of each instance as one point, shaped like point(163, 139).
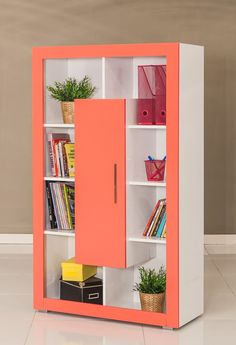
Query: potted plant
point(69, 90)
point(151, 288)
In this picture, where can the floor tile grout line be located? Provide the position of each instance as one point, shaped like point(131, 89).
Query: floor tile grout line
point(144, 342)
point(30, 327)
point(226, 283)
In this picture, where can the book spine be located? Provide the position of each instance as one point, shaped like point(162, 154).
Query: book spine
point(161, 227)
point(59, 203)
point(67, 206)
point(51, 155)
point(70, 155)
point(71, 198)
point(65, 161)
point(55, 204)
point(63, 207)
point(50, 207)
point(61, 161)
point(58, 160)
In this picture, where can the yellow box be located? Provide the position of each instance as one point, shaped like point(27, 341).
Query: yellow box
point(72, 271)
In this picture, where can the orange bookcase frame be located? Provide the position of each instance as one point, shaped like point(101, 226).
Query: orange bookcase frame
point(171, 52)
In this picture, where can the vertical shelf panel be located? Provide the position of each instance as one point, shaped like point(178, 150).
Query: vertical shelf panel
point(100, 167)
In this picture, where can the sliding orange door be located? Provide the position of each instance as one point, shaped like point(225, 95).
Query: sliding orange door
point(100, 182)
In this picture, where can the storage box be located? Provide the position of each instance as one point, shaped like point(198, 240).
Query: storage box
point(151, 95)
point(71, 271)
point(89, 291)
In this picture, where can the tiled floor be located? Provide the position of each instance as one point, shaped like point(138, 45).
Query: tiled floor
point(20, 325)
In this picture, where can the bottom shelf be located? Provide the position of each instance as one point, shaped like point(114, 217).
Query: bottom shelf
point(118, 284)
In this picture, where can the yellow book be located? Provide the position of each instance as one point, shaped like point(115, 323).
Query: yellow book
point(70, 157)
point(164, 232)
point(67, 206)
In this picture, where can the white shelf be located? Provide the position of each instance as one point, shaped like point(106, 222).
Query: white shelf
point(147, 127)
point(67, 233)
point(59, 179)
point(143, 239)
point(58, 125)
point(147, 183)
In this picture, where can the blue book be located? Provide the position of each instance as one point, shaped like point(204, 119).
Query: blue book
point(161, 226)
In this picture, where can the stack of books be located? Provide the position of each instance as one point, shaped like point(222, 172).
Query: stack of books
point(61, 205)
point(156, 226)
point(62, 155)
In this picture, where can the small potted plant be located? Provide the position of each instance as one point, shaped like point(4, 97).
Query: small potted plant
point(151, 289)
point(69, 90)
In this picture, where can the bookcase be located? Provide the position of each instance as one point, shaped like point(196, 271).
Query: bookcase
point(113, 199)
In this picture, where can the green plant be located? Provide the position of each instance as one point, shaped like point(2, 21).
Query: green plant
point(71, 89)
point(151, 281)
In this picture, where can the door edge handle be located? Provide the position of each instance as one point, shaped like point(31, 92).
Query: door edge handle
point(115, 183)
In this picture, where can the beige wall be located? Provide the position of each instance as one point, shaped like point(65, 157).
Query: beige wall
point(27, 23)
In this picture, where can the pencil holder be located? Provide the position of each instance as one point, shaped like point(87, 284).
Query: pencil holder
point(155, 169)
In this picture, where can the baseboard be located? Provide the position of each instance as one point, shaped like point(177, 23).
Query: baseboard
point(220, 239)
point(16, 238)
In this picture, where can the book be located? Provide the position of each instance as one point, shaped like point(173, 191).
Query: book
point(53, 139)
point(162, 212)
point(164, 231)
point(60, 198)
point(52, 218)
point(163, 235)
point(157, 218)
point(161, 226)
point(55, 204)
point(71, 198)
point(68, 211)
point(57, 165)
point(151, 218)
point(70, 157)
point(63, 206)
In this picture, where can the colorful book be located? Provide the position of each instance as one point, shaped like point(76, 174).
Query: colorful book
point(163, 209)
point(151, 218)
point(161, 226)
point(70, 157)
point(157, 218)
point(54, 138)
